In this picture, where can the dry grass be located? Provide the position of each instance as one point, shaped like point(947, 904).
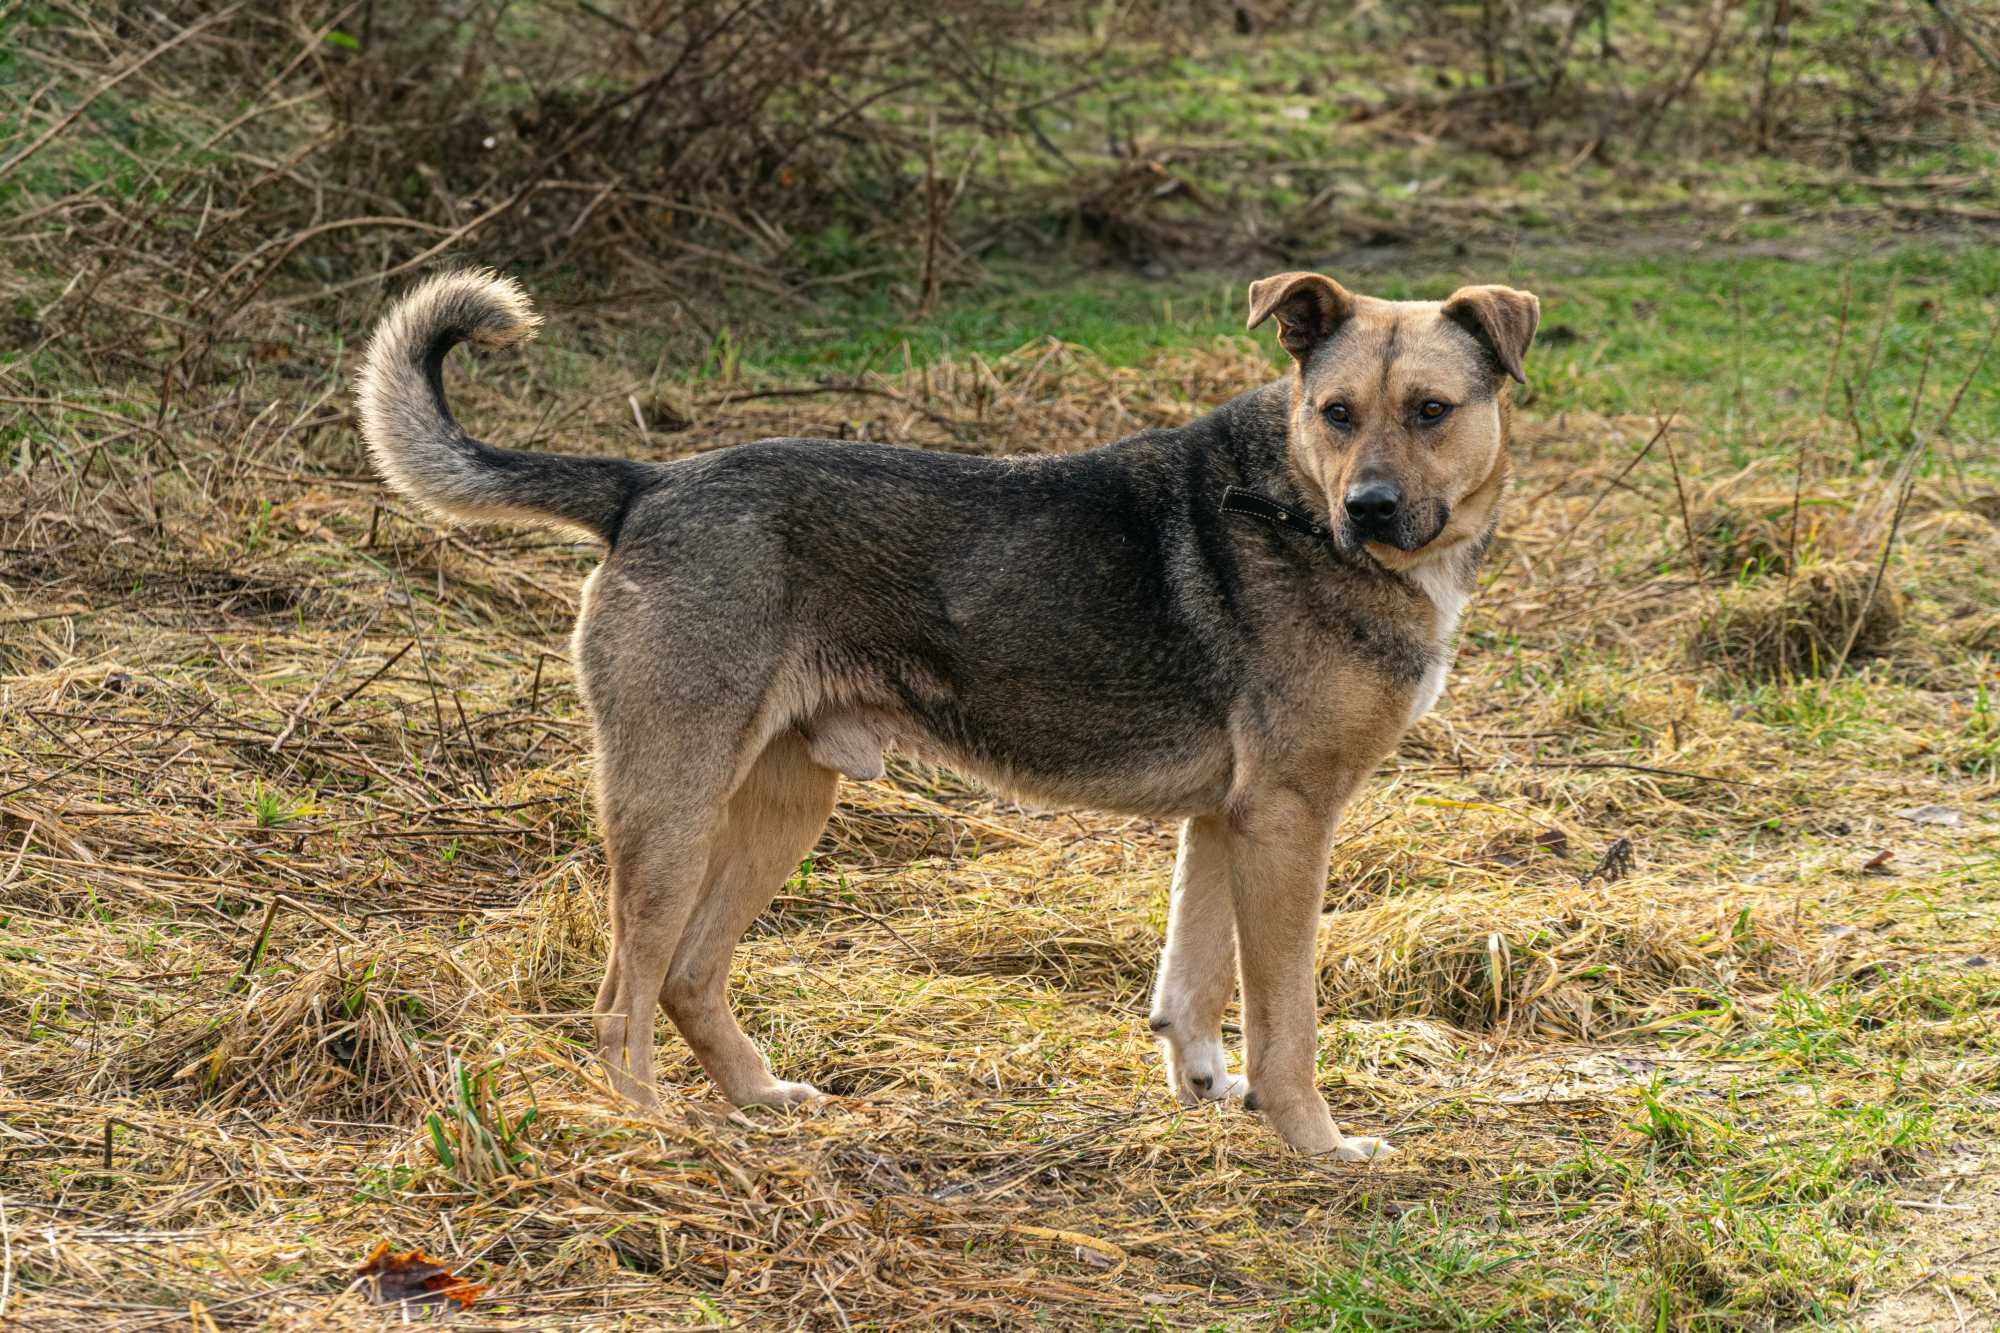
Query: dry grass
point(1812, 624)
point(300, 916)
point(1665, 968)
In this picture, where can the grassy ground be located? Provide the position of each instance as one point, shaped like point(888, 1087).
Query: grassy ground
point(302, 906)
point(1738, 332)
point(1667, 950)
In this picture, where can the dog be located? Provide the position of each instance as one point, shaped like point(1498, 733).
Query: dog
point(1229, 624)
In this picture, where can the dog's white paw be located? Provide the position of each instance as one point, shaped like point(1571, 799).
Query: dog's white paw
point(1195, 1092)
point(1360, 1149)
point(1200, 1074)
point(780, 1093)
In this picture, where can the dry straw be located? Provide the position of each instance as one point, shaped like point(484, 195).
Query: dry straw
point(305, 913)
point(301, 910)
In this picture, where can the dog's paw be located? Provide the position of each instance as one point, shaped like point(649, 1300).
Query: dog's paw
point(1196, 1089)
point(1358, 1149)
point(640, 1097)
point(1199, 1072)
point(780, 1093)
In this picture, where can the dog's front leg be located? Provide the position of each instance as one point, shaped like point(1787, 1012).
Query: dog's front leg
point(1198, 967)
point(1277, 879)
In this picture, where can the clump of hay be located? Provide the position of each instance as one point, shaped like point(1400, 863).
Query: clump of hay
point(1737, 540)
point(1827, 615)
point(547, 955)
point(1562, 963)
point(341, 1034)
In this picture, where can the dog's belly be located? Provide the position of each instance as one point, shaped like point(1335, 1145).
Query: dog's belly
point(852, 741)
point(1160, 791)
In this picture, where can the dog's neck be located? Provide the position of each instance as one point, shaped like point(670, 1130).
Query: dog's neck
point(1450, 578)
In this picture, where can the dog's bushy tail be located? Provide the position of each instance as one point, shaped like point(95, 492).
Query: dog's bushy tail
point(422, 451)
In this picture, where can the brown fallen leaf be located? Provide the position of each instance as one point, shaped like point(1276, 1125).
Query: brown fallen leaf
point(414, 1277)
point(1878, 864)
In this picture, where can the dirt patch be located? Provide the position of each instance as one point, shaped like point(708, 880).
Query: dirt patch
point(1947, 1271)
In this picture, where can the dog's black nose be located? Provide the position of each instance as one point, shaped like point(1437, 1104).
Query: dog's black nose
point(1373, 505)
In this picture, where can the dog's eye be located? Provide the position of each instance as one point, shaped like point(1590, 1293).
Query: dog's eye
point(1432, 410)
point(1337, 413)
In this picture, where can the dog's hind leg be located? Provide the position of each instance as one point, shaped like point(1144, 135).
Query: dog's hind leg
point(1198, 967)
point(770, 824)
point(658, 857)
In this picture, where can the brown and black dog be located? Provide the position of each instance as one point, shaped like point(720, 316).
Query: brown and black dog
point(1229, 624)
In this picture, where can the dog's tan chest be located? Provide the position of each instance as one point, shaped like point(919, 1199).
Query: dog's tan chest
point(1449, 591)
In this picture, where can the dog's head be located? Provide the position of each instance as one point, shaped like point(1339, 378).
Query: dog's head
point(1399, 408)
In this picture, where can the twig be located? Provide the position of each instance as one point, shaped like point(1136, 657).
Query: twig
point(1923, 379)
point(299, 712)
point(1624, 472)
point(478, 757)
point(1799, 457)
point(1971, 376)
point(865, 915)
point(1719, 13)
point(6, 1257)
point(107, 748)
point(1907, 484)
point(1687, 521)
point(373, 676)
point(257, 949)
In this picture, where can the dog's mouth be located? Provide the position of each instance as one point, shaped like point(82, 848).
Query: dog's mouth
point(1413, 527)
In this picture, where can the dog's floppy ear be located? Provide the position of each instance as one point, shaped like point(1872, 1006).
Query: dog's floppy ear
point(1503, 320)
point(1309, 306)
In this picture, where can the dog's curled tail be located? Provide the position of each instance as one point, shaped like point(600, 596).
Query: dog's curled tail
point(420, 449)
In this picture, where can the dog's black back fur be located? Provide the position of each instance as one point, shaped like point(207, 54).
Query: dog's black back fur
point(1055, 619)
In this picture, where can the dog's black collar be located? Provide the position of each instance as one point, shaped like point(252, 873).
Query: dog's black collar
point(1236, 500)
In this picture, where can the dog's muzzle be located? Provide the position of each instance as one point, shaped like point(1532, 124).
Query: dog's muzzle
point(1378, 512)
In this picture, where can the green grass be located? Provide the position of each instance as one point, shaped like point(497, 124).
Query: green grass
point(1729, 1197)
point(1277, 130)
point(1417, 1273)
point(1738, 345)
point(1815, 711)
point(274, 809)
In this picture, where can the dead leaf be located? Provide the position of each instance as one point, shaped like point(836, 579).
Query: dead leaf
point(414, 1277)
point(1942, 815)
point(1878, 864)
